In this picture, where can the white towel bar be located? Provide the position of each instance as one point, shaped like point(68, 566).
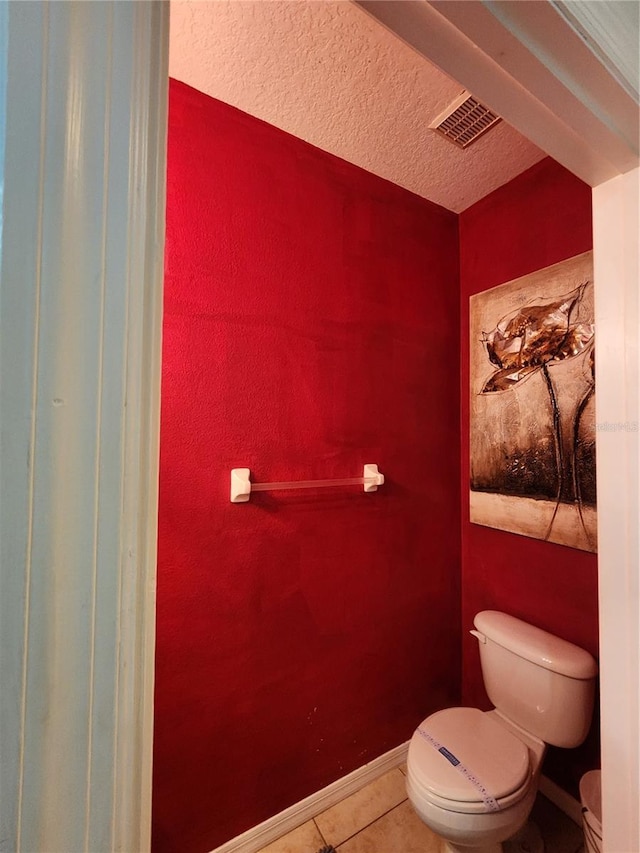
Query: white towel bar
point(241, 485)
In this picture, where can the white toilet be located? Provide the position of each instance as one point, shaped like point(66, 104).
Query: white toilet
point(472, 776)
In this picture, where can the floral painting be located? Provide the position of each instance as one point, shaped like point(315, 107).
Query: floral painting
point(532, 439)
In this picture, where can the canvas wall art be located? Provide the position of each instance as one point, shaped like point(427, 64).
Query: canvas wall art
point(532, 440)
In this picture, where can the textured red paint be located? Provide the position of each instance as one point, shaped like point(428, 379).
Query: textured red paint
point(311, 326)
point(538, 219)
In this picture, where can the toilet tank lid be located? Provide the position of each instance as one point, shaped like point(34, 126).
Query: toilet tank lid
point(535, 645)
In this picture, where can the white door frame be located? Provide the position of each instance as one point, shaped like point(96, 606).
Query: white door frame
point(80, 332)
point(616, 224)
point(80, 346)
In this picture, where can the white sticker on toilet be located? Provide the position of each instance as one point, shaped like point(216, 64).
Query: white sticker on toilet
point(490, 802)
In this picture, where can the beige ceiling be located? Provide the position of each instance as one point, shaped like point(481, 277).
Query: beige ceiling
point(330, 74)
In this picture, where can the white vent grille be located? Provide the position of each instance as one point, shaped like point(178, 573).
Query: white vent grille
point(464, 121)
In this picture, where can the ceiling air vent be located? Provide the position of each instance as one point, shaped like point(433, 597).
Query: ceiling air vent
point(464, 121)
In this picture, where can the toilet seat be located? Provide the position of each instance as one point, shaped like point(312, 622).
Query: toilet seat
point(461, 759)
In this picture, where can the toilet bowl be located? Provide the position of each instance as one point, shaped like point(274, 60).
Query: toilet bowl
point(472, 775)
point(483, 792)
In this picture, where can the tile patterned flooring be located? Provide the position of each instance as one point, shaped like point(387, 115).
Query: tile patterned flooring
point(380, 819)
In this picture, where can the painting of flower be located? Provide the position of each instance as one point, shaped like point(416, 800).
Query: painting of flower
point(532, 439)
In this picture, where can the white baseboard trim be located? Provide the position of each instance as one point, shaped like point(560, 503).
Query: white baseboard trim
point(275, 827)
point(559, 797)
point(257, 837)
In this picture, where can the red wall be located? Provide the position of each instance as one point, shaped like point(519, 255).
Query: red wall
point(311, 326)
point(538, 219)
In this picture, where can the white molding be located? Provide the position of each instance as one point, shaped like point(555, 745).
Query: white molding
point(81, 298)
point(611, 31)
point(527, 64)
point(133, 752)
point(561, 799)
point(270, 830)
point(616, 221)
point(254, 839)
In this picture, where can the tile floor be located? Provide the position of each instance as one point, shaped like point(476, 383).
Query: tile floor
point(379, 819)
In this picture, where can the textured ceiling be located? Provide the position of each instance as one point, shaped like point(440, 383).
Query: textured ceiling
point(328, 73)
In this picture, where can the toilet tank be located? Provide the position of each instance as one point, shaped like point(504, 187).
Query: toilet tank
point(542, 683)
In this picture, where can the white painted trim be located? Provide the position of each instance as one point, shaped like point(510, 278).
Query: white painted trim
point(133, 754)
point(611, 32)
point(616, 220)
point(254, 839)
point(81, 299)
point(561, 799)
point(532, 69)
point(270, 830)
